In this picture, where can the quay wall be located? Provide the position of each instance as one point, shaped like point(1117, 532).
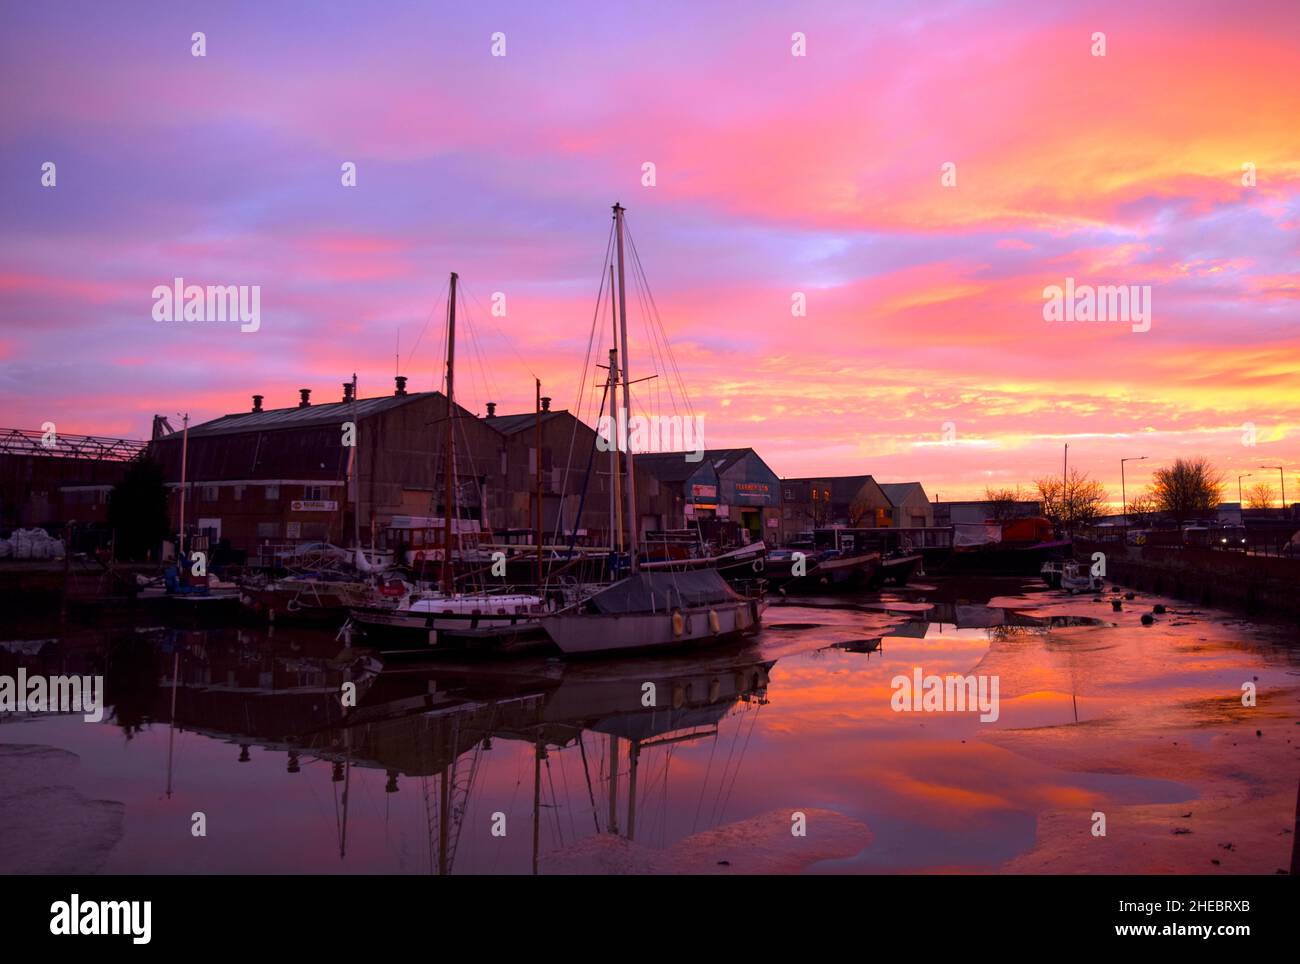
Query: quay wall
point(1206, 577)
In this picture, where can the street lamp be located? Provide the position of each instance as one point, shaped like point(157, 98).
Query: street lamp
point(1123, 494)
point(1240, 504)
point(1282, 478)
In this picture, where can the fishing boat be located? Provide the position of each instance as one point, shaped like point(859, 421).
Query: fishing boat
point(896, 567)
point(1051, 573)
point(648, 609)
point(820, 570)
point(1076, 579)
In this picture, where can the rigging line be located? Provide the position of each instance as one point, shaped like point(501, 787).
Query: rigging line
point(476, 345)
point(555, 803)
point(668, 344)
point(564, 782)
point(652, 338)
point(752, 723)
point(420, 336)
point(489, 382)
point(663, 824)
point(591, 793)
point(726, 767)
point(636, 257)
point(582, 386)
point(704, 782)
point(506, 338)
point(477, 375)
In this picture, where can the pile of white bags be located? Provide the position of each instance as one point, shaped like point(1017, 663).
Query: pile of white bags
point(31, 544)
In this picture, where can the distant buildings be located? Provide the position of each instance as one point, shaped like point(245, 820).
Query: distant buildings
point(851, 501)
point(48, 479)
point(270, 477)
point(981, 510)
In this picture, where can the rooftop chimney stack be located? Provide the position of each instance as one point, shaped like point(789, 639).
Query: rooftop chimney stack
point(257, 403)
point(546, 403)
point(347, 391)
point(306, 398)
point(492, 409)
point(401, 384)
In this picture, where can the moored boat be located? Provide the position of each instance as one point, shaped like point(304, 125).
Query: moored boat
point(655, 610)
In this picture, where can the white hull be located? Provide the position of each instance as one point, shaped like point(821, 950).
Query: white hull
point(579, 633)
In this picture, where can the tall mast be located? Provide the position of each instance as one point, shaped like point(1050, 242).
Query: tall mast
point(185, 448)
point(615, 487)
point(356, 474)
point(627, 391)
point(449, 467)
point(538, 418)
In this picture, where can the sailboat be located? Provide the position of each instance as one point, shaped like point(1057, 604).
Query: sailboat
point(649, 610)
point(445, 617)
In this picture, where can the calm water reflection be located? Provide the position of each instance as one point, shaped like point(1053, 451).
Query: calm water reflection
point(436, 761)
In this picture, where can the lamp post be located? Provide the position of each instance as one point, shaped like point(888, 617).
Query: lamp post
point(1123, 494)
point(1281, 478)
point(1240, 503)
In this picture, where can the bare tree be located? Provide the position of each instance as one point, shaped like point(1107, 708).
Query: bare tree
point(1003, 502)
point(1189, 488)
point(1074, 501)
point(1142, 508)
point(1260, 496)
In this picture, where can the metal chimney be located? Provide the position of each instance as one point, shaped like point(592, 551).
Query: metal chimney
point(546, 403)
point(306, 398)
point(347, 391)
point(492, 409)
point(401, 384)
point(257, 403)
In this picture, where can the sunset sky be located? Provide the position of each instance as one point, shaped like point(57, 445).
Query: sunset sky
point(775, 174)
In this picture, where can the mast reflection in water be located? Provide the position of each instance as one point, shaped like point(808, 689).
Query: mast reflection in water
point(606, 731)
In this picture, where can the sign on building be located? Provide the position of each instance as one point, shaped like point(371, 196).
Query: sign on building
point(314, 505)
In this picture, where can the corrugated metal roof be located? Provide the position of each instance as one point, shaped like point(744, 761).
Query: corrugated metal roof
point(673, 467)
point(510, 424)
point(274, 418)
point(897, 492)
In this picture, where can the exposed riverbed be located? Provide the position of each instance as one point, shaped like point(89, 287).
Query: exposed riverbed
point(1097, 714)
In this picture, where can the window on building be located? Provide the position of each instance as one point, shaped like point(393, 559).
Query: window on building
point(313, 493)
point(210, 493)
point(239, 492)
point(268, 530)
point(272, 492)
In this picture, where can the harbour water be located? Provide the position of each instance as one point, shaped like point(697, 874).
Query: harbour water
point(505, 767)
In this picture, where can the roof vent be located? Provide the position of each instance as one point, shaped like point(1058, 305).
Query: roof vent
point(546, 403)
point(305, 393)
point(401, 384)
point(347, 391)
point(257, 403)
point(492, 409)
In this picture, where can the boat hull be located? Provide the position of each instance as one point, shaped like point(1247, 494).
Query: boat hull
point(581, 633)
point(405, 629)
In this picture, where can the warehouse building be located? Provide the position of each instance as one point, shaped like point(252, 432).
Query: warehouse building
point(730, 495)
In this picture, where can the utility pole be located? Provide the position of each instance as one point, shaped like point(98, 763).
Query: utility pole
point(1124, 495)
